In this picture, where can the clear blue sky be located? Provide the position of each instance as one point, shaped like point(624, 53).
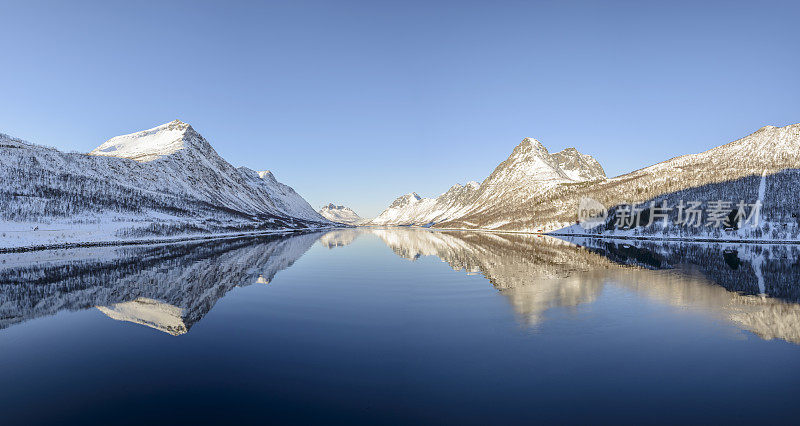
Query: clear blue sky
point(359, 102)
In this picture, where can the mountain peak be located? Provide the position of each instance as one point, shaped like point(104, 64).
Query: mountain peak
point(530, 149)
point(578, 166)
point(151, 144)
point(529, 163)
point(406, 199)
point(267, 175)
point(530, 144)
point(340, 214)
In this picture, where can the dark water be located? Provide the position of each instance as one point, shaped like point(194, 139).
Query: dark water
point(400, 326)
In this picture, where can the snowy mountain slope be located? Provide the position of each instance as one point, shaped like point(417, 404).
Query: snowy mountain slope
point(340, 214)
point(285, 198)
point(165, 180)
point(189, 159)
point(729, 172)
point(151, 144)
point(411, 209)
point(535, 191)
point(529, 170)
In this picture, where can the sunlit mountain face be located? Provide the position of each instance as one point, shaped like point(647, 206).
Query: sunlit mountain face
point(381, 322)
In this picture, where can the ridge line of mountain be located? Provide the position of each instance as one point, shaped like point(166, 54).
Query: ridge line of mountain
point(529, 192)
point(161, 182)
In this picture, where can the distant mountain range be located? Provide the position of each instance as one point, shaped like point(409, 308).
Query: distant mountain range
point(535, 191)
point(340, 214)
point(168, 182)
point(160, 182)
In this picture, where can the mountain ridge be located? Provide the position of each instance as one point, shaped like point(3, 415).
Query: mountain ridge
point(734, 171)
point(535, 191)
point(528, 170)
point(162, 181)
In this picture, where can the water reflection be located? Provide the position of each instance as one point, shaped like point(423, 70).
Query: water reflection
point(754, 286)
point(171, 287)
point(339, 237)
point(166, 287)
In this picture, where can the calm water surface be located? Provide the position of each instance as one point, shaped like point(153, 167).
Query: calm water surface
point(401, 325)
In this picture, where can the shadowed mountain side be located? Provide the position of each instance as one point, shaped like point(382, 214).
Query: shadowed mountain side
point(778, 218)
point(167, 287)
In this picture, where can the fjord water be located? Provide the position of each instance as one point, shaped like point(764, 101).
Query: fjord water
point(400, 325)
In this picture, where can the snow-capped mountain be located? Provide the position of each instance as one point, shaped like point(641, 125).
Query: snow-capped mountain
point(760, 167)
point(534, 191)
point(529, 170)
point(162, 181)
point(340, 214)
point(411, 209)
point(190, 161)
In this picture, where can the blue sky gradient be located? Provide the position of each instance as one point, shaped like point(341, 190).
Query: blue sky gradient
point(359, 102)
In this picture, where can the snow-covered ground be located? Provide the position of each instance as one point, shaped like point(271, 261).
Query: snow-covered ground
point(30, 236)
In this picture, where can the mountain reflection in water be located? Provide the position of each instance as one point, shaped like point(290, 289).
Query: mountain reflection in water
point(167, 287)
point(171, 287)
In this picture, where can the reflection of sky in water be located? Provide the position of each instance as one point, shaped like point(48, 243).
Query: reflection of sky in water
point(261, 325)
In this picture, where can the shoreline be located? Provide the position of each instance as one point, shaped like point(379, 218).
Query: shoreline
point(164, 240)
point(603, 237)
point(178, 239)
